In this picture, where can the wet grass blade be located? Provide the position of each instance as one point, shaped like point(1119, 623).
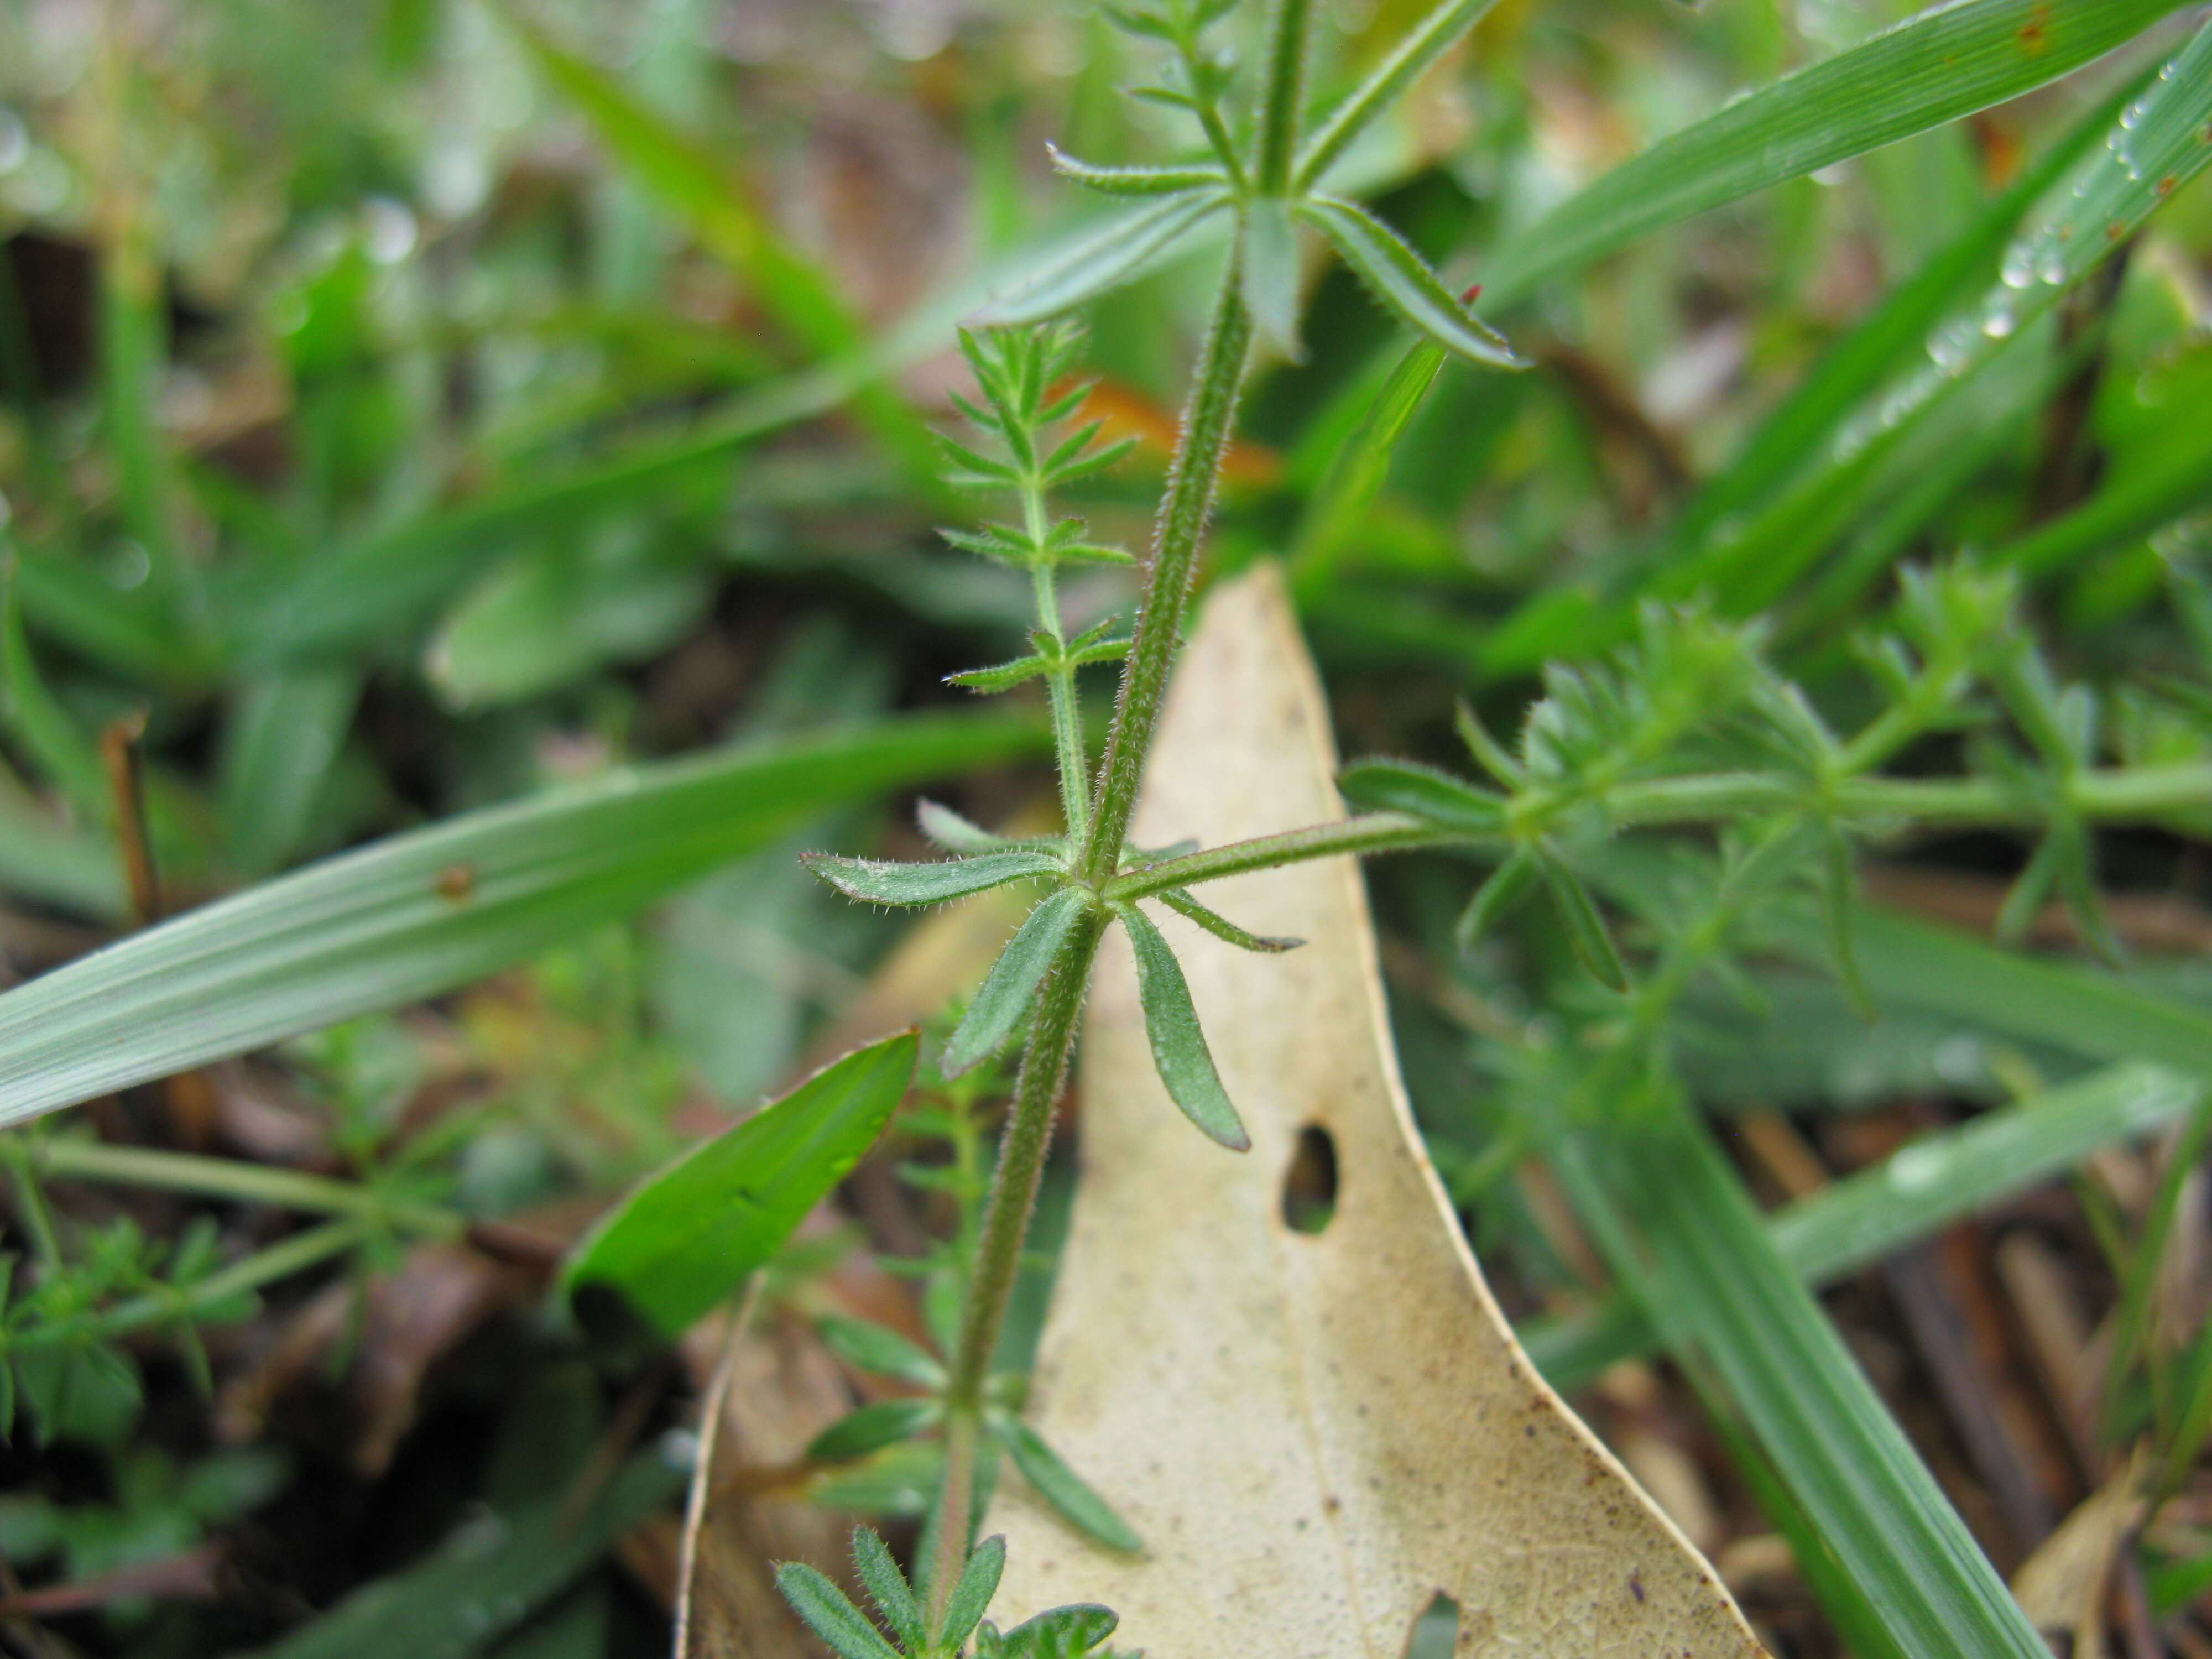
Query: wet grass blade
point(1925, 1186)
point(422, 913)
point(1720, 1291)
point(1936, 66)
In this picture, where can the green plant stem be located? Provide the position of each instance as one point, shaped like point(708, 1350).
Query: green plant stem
point(1059, 686)
point(1279, 114)
point(1207, 418)
point(228, 1178)
point(295, 1254)
point(998, 1250)
point(2129, 793)
point(1369, 832)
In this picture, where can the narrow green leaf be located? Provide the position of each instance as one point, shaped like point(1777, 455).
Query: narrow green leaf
point(1720, 1291)
point(875, 1348)
point(32, 715)
point(1394, 785)
point(1500, 891)
point(1080, 653)
point(419, 914)
point(1838, 903)
point(829, 1614)
point(971, 1595)
point(1892, 334)
point(1269, 272)
point(1178, 899)
point(1179, 1050)
point(2141, 494)
point(1105, 258)
point(281, 739)
point(1336, 510)
point(703, 194)
point(1922, 1188)
point(885, 881)
point(887, 1587)
point(686, 1237)
point(1135, 181)
point(1586, 929)
point(955, 833)
point(1068, 1633)
point(1936, 66)
point(1404, 283)
point(871, 1428)
point(1416, 49)
point(1011, 985)
point(1062, 1488)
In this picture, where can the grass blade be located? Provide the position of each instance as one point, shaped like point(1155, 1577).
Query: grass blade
point(1936, 66)
point(422, 913)
point(1720, 1291)
point(689, 1235)
point(1927, 1185)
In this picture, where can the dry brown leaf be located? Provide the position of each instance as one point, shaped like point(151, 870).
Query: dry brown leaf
point(1316, 1434)
point(2061, 1587)
point(775, 1389)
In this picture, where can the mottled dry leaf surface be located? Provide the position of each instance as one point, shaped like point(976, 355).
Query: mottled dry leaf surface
point(1313, 1433)
point(775, 1389)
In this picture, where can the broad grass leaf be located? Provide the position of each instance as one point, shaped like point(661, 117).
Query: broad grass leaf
point(1943, 63)
point(422, 913)
point(1321, 1430)
point(685, 1238)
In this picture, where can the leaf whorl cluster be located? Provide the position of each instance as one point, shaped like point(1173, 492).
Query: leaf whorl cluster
point(1689, 725)
point(1068, 1633)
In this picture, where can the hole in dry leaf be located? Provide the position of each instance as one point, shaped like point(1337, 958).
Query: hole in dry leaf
point(1310, 1188)
point(1436, 1632)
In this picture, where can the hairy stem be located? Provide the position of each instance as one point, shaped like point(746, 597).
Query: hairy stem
point(998, 1250)
point(1067, 715)
point(1278, 115)
point(1206, 421)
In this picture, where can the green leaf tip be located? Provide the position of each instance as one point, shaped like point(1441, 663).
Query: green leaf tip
point(1179, 1050)
point(687, 1236)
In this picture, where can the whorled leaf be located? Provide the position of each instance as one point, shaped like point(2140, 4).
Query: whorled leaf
point(889, 881)
point(1104, 259)
point(1402, 281)
point(1011, 985)
point(1396, 785)
point(1179, 1051)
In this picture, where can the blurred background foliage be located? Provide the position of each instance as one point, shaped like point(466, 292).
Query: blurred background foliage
point(406, 405)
